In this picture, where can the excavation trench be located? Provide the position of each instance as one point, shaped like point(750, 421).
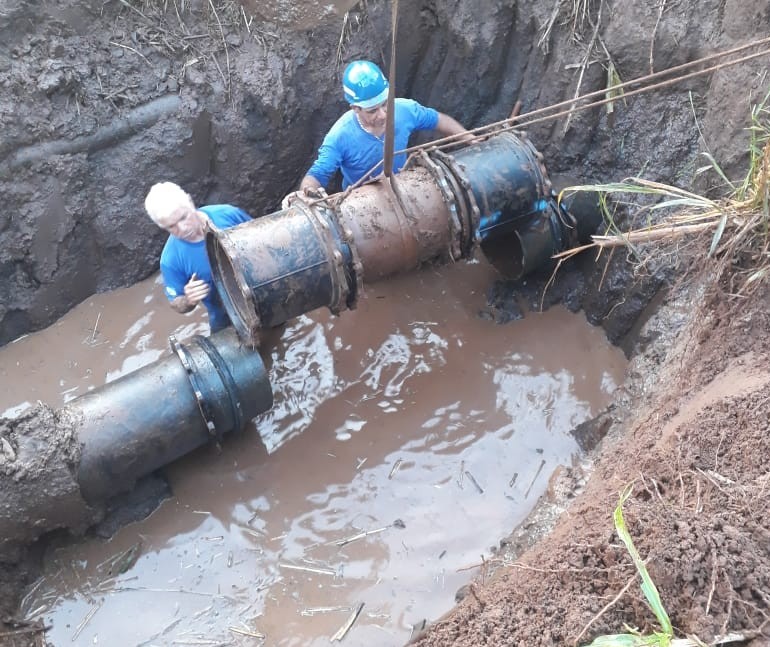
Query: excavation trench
point(399, 409)
point(412, 418)
point(493, 192)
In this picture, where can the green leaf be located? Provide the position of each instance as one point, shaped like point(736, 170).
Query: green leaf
point(718, 235)
point(648, 586)
point(718, 169)
point(613, 91)
point(631, 640)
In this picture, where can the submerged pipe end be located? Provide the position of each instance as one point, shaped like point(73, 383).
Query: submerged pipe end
point(146, 419)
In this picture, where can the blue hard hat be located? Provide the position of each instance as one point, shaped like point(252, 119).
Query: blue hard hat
point(364, 84)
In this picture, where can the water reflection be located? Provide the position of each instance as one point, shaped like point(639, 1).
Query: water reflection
point(406, 438)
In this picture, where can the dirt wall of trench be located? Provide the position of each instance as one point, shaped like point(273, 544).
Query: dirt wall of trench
point(100, 100)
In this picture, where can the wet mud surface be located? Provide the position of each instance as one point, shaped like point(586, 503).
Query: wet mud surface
point(406, 438)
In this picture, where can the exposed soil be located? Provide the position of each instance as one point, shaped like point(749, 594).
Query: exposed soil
point(693, 440)
point(101, 99)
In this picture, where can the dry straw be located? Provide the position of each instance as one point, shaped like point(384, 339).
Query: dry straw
point(739, 223)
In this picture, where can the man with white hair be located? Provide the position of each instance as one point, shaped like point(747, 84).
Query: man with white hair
point(184, 263)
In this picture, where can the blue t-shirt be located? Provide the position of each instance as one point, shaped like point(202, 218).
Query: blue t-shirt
point(180, 259)
point(354, 151)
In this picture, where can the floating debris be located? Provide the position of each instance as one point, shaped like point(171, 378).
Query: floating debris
point(394, 469)
point(311, 611)
point(86, 620)
point(122, 562)
point(474, 481)
point(539, 469)
point(162, 632)
point(309, 569)
point(360, 535)
point(343, 630)
point(398, 523)
point(246, 632)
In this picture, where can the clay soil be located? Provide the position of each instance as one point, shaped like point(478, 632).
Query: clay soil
point(692, 437)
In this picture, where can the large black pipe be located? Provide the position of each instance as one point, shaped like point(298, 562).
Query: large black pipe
point(493, 193)
point(288, 263)
point(149, 418)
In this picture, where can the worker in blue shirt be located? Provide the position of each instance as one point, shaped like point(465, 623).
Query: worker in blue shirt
point(355, 143)
point(184, 263)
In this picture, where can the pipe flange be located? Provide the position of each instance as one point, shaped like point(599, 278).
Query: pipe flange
point(356, 265)
point(184, 358)
point(320, 218)
point(465, 212)
point(344, 267)
point(231, 388)
point(455, 222)
point(456, 173)
point(249, 323)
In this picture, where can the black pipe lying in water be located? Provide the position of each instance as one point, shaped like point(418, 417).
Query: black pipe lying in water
point(67, 463)
point(149, 418)
point(494, 193)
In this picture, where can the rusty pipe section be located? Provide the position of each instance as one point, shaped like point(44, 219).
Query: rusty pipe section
point(493, 193)
point(149, 418)
point(396, 224)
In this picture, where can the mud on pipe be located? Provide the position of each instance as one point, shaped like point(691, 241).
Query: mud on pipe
point(67, 462)
point(494, 193)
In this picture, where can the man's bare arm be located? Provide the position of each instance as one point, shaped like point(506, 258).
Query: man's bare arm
point(194, 292)
point(447, 126)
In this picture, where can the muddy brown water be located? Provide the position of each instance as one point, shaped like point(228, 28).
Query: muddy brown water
point(412, 419)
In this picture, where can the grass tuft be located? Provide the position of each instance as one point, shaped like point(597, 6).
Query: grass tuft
point(739, 222)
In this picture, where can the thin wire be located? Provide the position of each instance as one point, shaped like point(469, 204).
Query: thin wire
point(525, 119)
point(507, 122)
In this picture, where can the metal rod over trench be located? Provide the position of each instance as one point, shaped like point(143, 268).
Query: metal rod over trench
point(494, 193)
